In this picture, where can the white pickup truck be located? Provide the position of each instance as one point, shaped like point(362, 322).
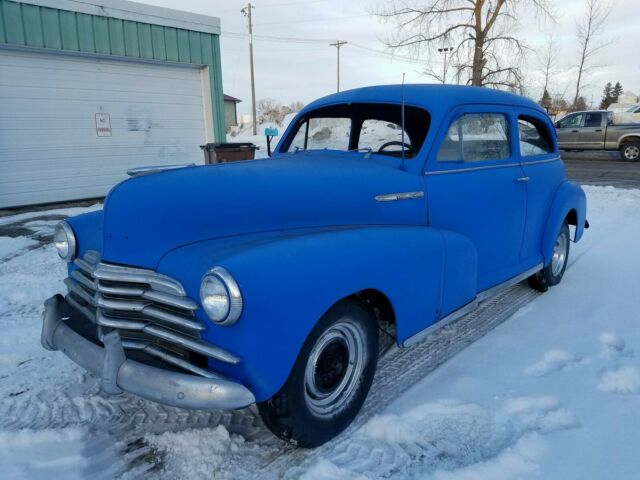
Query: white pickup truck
point(595, 130)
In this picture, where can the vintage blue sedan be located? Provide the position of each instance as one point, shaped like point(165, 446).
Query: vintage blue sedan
point(267, 281)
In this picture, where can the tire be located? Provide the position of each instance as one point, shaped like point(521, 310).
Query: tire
point(630, 152)
point(304, 411)
point(552, 274)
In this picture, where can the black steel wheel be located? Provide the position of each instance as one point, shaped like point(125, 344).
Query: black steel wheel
point(330, 379)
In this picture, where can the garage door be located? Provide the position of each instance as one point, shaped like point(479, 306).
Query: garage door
point(71, 126)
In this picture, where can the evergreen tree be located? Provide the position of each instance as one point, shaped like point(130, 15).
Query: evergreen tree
point(579, 105)
point(616, 92)
point(545, 102)
point(606, 96)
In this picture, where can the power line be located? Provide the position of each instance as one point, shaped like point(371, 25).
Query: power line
point(318, 41)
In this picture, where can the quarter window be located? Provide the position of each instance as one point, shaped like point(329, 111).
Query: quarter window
point(476, 137)
point(534, 137)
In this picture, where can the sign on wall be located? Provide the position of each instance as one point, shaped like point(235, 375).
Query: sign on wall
point(103, 124)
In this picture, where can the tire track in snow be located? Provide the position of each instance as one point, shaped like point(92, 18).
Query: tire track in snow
point(397, 371)
point(127, 419)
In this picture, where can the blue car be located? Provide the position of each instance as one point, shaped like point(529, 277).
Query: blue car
point(395, 208)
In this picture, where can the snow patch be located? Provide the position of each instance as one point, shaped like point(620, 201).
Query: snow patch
point(326, 470)
point(204, 453)
point(552, 361)
point(512, 463)
point(623, 380)
point(11, 246)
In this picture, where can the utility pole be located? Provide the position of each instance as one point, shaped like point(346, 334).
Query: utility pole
point(338, 44)
point(444, 70)
point(247, 13)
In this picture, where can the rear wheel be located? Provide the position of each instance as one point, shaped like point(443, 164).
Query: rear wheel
point(630, 152)
point(552, 274)
point(330, 379)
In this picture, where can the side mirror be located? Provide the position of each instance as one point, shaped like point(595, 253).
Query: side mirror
point(270, 133)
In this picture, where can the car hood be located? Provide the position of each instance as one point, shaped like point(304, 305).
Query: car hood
point(147, 216)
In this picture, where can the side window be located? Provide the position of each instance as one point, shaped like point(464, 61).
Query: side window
point(571, 121)
point(375, 133)
point(593, 120)
point(534, 137)
point(476, 137)
point(329, 133)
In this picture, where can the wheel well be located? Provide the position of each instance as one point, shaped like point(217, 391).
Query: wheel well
point(627, 140)
point(382, 310)
point(572, 218)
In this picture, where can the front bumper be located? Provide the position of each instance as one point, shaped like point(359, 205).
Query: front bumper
point(119, 373)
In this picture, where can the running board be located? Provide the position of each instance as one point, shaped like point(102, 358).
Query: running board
point(469, 307)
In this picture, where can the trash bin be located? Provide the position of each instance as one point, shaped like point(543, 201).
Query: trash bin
point(228, 152)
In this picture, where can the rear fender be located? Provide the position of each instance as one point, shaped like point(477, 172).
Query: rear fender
point(569, 203)
point(289, 281)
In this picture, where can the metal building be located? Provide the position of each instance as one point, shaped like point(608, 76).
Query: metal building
point(91, 88)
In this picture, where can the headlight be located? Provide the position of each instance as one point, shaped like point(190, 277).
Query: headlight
point(65, 241)
point(220, 296)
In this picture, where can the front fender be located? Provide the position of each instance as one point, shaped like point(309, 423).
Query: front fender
point(289, 280)
point(569, 201)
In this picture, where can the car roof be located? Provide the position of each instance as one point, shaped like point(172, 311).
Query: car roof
point(430, 96)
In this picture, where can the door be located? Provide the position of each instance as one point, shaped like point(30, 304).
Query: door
point(71, 126)
point(591, 134)
point(568, 129)
point(476, 187)
point(542, 165)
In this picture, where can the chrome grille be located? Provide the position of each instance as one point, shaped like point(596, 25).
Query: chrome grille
point(151, 311)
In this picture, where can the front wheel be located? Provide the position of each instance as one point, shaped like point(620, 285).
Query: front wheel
point(330, 379)
point(552, 274)
point(630, 152)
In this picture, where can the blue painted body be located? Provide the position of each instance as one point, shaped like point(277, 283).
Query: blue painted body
point(301, 231)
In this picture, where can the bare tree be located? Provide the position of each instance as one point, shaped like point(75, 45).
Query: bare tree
point(587, 33)
point(481, 32)
point(548, 60)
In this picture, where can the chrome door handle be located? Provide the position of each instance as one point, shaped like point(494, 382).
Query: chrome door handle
point(522, 179)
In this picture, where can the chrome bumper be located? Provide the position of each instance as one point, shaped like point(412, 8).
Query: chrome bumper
point(121, 374)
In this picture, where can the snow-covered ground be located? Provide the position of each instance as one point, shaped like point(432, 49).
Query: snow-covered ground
point(553, 392)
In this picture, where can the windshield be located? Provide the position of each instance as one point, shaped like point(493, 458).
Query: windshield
point(364, 127)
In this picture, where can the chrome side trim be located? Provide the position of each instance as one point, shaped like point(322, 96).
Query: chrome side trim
point(132, 172)
point(490, 292)
point(491, 167)
point(392, 197)
point(470, 307)
point(422, 334)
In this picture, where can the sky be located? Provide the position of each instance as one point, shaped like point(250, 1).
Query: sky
point(304, 70)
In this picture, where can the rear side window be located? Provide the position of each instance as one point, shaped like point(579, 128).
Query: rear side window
point(476, 137)
point(534, 137)
point(593, 120)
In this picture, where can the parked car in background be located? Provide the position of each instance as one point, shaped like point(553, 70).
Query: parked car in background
point(268, 281)
point(596, 130)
